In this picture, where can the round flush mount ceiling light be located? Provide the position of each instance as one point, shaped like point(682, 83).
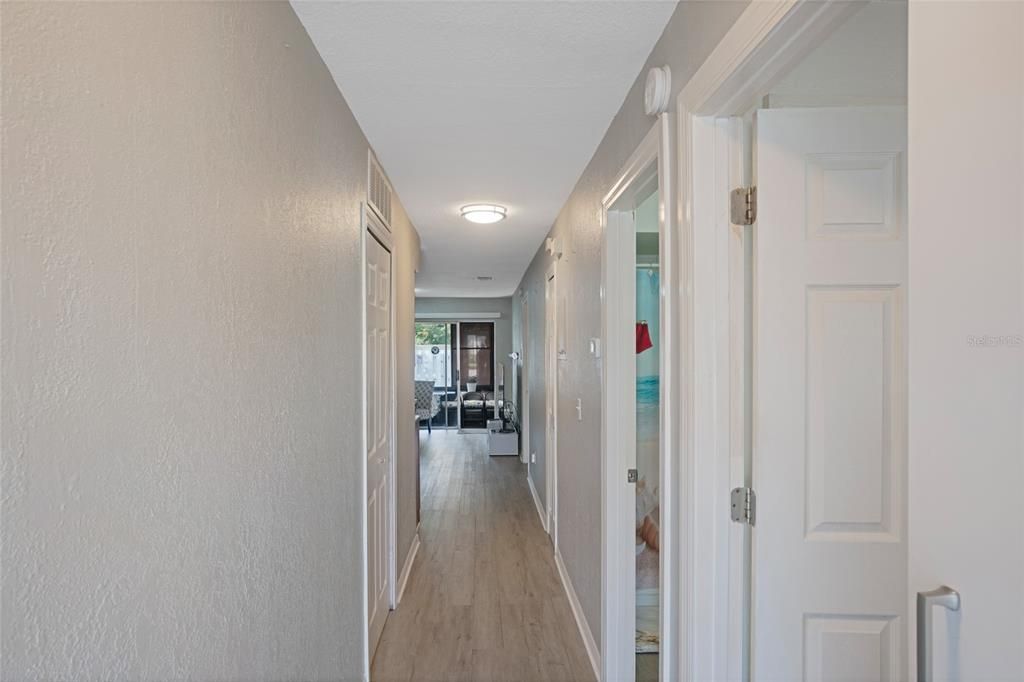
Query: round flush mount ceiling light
point(483, 213)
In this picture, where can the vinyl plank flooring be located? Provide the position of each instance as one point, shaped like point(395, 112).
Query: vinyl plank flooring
point(484, 602)
point(647, 668)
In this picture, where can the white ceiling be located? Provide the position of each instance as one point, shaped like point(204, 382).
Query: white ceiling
point(475, 101)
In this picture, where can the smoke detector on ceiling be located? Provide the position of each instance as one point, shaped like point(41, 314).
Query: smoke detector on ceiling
point(658, 90)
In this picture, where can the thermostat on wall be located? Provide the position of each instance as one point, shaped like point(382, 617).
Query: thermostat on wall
point(553, 245)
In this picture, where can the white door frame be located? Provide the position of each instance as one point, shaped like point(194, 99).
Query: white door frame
point(524, 381)
point(618, 436)
point(373, 227)
point(765, 42)
point(551, 401)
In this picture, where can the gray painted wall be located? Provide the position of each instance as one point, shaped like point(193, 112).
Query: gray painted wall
point(405, 262)
point(182, 496)
point(692, 32)
point(502, 325)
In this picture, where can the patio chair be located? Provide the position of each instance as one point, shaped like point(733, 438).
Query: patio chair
point(428, 403)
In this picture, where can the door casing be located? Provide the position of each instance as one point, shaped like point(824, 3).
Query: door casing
point(765, 41)
point(524, 382)
point(650, 162)
point(551, 336)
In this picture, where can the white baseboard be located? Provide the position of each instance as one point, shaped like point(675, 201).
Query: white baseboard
point(536, 501)
point(407, 568)
point(581, 622)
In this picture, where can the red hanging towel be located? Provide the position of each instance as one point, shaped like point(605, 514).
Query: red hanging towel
point(643, 338)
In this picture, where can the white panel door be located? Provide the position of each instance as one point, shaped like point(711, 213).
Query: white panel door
point(378, 431)
point(829, 468)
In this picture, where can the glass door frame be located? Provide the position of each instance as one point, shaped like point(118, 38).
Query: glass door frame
point(454, 332)
point(461, 379)
point(450, 371)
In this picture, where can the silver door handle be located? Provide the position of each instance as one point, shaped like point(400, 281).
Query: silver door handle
point(945, 597)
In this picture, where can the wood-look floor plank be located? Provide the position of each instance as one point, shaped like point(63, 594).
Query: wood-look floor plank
point(484, 602)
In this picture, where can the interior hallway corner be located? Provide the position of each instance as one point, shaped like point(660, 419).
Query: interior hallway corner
point(483, 601)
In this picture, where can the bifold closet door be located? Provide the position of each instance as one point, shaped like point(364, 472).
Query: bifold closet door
point(378, 431)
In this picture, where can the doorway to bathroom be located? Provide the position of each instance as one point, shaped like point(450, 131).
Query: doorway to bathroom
point(648, 431)
point(638, 361)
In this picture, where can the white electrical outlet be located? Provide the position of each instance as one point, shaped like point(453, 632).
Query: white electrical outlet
point(533, 458)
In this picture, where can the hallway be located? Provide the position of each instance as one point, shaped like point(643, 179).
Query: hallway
point(484, 601)
point(733, 276)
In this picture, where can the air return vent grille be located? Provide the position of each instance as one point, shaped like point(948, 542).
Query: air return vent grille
point(379, 191)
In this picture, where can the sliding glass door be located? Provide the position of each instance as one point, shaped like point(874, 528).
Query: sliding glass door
point(457, 358)
point(476, 371)
point(435, 364)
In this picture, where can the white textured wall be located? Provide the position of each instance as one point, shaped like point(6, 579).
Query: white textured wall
point(692, 32)
point(965, 391)
point(180, 465)
point(863, 62)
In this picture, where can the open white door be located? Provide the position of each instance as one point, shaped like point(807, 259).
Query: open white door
point(378, 433)
point(829, 464)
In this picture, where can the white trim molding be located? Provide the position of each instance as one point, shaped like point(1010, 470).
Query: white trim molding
point(524, 382)
point(458, 316)
point(536, 501)
point(363, 531)
point(407, 567)
point(767, 40)
point(593, 653)
point(552, 329)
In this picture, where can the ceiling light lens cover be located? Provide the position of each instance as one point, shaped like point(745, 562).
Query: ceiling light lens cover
point(483, 213)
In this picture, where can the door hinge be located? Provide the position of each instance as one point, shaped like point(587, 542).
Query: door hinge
point(743, 206)
point(744, 505)
point(631, 475)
